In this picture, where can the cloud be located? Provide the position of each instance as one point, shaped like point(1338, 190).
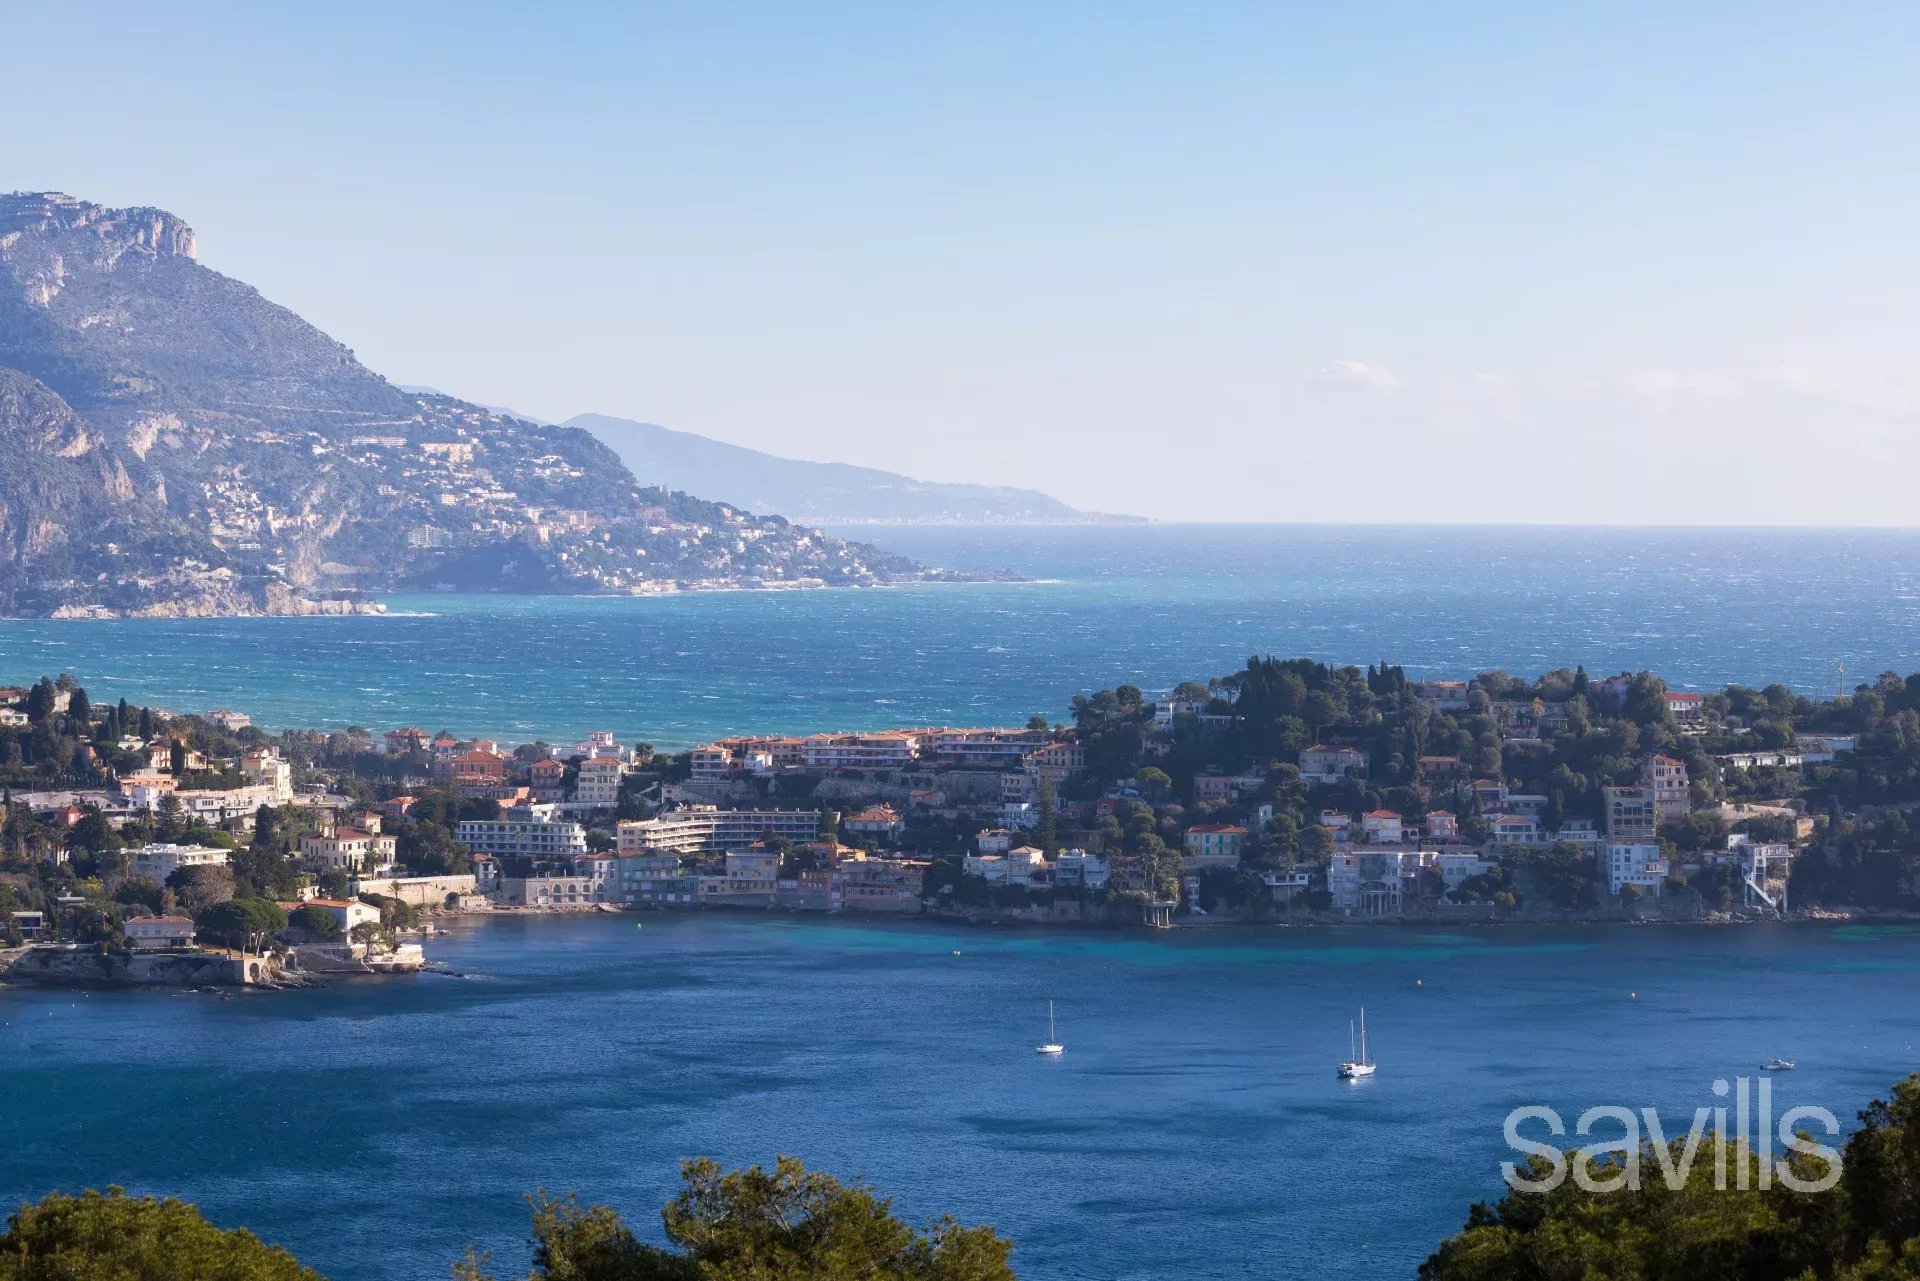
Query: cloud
point(1356, 375)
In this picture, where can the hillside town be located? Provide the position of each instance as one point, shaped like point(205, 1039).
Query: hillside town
point(1289, 791)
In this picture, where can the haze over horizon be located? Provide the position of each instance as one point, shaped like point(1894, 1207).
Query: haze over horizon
point(1474, 266)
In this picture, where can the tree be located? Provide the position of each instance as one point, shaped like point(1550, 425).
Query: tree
point(40, 701)
point(1049, 828)
point(784, 1224)
point(266, 826)
point(96, 1237)
point(201, 887)
point(1867, 1228)
point(235, 922)
point(317, 921)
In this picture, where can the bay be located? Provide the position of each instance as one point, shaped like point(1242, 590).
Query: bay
point(1193, 1127)
point(1149, 605)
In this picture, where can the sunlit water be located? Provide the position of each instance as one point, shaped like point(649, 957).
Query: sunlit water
point(1193, 1127)
point(1153, 606)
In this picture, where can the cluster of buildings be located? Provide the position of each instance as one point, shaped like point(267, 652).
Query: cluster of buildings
point(700, 857)
point(1026, 755)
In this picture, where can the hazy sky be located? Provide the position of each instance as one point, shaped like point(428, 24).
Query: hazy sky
point(1481, 262)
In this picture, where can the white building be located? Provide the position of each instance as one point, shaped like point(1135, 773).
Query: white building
point(265, 768)
point(350, 849)
point(1518, 830)
point(598, 784)
point(1323, 764)
point(886, 750)
point(1382, 827)
point(1079, 868)
point(527, 839)
point(699, 829)
point(1633, 864)
point(347, 912)
point(151, 933)
point(1456, 869)
point(1018, 866)
point(161, 860)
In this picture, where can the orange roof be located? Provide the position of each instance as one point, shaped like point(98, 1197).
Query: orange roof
point(1382, 814)
point(1220, 828)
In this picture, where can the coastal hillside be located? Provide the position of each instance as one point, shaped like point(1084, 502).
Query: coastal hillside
point(178, 444)
point(821, 493)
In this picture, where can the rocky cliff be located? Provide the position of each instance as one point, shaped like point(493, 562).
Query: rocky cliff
point(176, 443)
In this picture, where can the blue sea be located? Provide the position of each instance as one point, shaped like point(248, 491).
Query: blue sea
point(1150, 605)
point(1193, 1128)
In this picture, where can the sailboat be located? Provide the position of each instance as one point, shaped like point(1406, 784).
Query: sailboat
point(1053, 1045)
point(1360, 1060)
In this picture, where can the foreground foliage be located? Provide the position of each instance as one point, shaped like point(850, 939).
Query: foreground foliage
point(1865, 1229)
point(115, 1237)
point(784, 1224)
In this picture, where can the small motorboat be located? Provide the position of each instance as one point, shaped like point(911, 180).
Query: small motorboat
point(1778, 1065)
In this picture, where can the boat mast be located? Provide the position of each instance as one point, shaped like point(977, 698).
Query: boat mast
point(1363, 1036)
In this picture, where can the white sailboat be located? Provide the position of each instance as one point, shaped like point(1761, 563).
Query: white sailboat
point(1052, 1045)
point(1359, 1059)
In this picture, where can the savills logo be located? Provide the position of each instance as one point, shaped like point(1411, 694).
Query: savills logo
point(1753, 1164)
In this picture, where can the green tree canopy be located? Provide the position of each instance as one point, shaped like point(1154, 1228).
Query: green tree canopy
point(230, 923)
point(1866, 1228)
point(115, 1237)
point(317, 921)
point(784, 1224)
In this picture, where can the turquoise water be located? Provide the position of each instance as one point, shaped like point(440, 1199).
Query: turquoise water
point(1153, 605)
point(1193, 1127)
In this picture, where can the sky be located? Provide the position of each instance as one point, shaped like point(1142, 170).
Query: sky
point(1485, 262)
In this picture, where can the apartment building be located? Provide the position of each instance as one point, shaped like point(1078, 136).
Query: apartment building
point(697, 829)
point(894, 749)
point(511, 837)
point(1631, 814)
point(161, 860)
point(1633, 863)
point(1666, 778)
point(350, 849)
point(598, 784)
point(1323, 764)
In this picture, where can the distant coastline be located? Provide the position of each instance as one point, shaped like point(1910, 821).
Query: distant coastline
point(371, 606)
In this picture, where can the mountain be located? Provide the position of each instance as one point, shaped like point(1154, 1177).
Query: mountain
point(819, 493)
point(174, 443)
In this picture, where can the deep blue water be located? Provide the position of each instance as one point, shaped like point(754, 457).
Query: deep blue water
point(1153, 605)
point(1193, 1127)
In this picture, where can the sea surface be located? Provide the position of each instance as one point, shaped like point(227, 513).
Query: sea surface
point(1150, 605)
point(1193, 1128)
